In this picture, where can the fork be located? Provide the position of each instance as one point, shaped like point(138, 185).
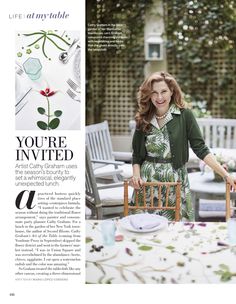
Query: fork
point(18, 68)
point(19, 71)
point(74, 86)
point(73, 95)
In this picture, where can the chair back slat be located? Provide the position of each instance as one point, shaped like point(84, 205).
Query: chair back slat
point(144, 197)
point(207, 134)
point(167, 194)
point(126, 197)
point(228, 137)
point(234, 137)
point(214, 136)
point(227, 198)
point(159, 196)
point(151, 196)
point(221, 130)
point(178, 201)
point(136, 198)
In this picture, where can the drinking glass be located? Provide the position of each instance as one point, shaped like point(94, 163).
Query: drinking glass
point(108, 229)
point(33, 67)
point(231, 226)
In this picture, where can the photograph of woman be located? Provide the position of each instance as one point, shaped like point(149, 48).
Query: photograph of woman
point(161, 143)
point(165, 128)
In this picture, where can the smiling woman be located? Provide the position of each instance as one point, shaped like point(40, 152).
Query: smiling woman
point(164, 130)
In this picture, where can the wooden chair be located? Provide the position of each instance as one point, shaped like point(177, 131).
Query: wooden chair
point(105, 199)
point(99, 144)
point(229, 207)
point(149, 187)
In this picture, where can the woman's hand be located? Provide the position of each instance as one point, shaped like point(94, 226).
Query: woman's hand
point(210, 160)
point(136, 182)
point(232, 180)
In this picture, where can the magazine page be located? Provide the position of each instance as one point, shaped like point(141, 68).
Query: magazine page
point(42, 151)
point(88, 115)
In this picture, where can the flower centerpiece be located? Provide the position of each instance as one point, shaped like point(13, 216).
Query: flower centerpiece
point(225, 159)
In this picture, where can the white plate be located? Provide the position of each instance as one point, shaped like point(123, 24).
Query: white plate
point(125, 223)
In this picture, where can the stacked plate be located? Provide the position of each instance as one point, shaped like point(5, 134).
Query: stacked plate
point(144, 222)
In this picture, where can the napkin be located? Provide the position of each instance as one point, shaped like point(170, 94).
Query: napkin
point(144, 221)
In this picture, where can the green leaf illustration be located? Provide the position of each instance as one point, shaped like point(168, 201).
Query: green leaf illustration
point(157, 241)
point(46, 36)
point(180, 264)
point(222, 227)
point(226, 276)
point(54, 123)
point(170, 247)
point(58, 113)
point(225, 273)
point(42, 125)
point(145, 248)
point(41, 111)
point(88, 239)
point(224, 267)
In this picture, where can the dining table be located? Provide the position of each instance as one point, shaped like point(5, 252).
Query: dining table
point(211, 193)
point(178, 253)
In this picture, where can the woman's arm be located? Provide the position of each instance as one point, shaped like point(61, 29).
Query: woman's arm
point(202, 151)
point(138, 156)
point(194, 135)
point(210, 160)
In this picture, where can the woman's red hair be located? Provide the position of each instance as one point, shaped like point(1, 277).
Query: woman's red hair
point(146, 109)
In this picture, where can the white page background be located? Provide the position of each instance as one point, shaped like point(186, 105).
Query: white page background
point(72, 291)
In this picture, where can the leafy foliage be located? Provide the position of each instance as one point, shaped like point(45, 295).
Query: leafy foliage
point(225, 273)
point(195, 31)
point(42, 125)
point(41, 110)
point(58, 113)
point(54, 123)
point(132, 15)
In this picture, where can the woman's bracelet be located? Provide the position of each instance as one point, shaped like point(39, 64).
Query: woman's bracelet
point(136, 177)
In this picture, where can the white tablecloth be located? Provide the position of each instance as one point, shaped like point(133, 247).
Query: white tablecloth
point(54, 74)
point(181, 253)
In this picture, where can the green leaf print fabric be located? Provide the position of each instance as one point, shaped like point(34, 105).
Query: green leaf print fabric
point(158, 145)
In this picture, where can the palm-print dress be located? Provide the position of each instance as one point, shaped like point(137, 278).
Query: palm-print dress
point(158, 145)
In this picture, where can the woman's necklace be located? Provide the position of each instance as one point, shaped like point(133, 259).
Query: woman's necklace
point(161, 117)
